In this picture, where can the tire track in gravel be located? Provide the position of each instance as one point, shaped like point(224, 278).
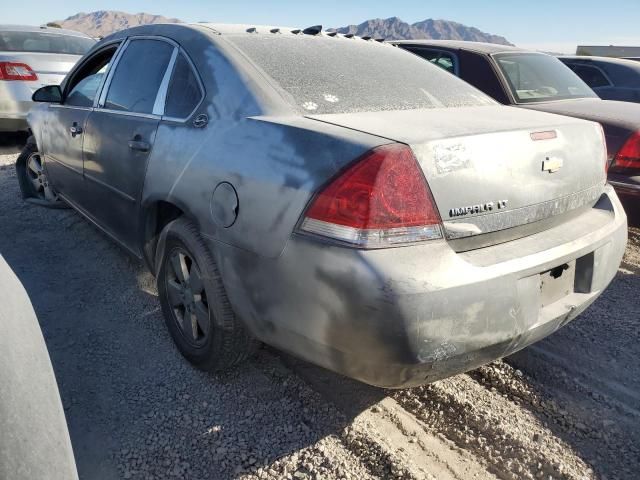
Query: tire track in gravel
point(512, 441)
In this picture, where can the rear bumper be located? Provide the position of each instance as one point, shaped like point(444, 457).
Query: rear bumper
point(15, 103)
point(626, 186)
point(412, 315)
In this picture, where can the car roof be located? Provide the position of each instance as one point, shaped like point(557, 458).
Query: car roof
point(480, 47)
point(44, 28)
point(615, 61)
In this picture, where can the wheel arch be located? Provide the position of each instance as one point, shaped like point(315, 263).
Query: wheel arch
point(156, 215)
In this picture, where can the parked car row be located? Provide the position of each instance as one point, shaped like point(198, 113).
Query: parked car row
point(537, 81)
point(32, 57)
point(338, 198)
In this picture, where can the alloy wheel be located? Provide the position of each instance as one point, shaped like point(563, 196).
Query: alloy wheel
point(39, 180)
point(187, 297)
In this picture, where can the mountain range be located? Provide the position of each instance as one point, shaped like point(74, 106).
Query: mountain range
point(104, 22)
point(395, 29)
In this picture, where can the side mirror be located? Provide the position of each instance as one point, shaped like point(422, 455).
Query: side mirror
point(48, 94)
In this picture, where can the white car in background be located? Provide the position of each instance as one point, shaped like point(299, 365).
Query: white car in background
point(30, 58)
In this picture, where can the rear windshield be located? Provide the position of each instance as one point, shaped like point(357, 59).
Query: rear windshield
point(340, 75)
point(42, 42)
point(536, 77)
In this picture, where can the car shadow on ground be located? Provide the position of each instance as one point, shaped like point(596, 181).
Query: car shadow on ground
point(134, 406)
point(582, 381)
point(11, 143)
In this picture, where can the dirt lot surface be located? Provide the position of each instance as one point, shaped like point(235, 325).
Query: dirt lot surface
point(568, 407)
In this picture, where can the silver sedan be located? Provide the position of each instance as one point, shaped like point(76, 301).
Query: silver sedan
point(31, 57)
point(335, 197)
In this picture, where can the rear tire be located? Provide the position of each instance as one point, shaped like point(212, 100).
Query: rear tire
point(194, 302)
point(34, 184)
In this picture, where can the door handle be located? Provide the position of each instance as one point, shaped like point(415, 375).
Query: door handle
point(139, 145)
point(75, 129)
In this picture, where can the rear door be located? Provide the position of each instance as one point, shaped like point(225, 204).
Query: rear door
point(120, 133)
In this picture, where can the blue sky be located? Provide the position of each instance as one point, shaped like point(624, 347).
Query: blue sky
point(549, 25)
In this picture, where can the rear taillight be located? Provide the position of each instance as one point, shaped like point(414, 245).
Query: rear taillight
point(606, 152)
point(628, 158)
point(17, 71)
point(381, 200)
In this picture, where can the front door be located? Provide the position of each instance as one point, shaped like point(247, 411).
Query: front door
point(66, 124)
point(63, 149)
point(119, 137)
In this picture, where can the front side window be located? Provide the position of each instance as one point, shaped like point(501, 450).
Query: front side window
point(592, 76)
point(184, 90)
point(84, 85)
point(138, 75)
point(536, 77)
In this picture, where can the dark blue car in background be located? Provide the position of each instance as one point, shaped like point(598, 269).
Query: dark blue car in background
point(610, 78)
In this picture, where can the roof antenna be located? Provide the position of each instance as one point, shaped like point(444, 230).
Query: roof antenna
point(275, 30)
point(315, 30)
point(252, 30)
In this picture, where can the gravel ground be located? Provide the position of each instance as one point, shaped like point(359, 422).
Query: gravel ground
point(568, 407)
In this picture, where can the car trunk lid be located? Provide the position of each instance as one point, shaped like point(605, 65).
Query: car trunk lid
point(496, 173)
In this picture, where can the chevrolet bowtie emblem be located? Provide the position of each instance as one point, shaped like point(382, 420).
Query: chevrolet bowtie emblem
point(552, 164)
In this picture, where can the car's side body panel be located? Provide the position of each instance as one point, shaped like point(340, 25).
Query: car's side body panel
point(268, 162)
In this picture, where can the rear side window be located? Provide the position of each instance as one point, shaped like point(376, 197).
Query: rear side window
point(341, 75)
point(476, 69)
point(44, 43)
point(445, 60)
point(592, 76)
point(184, 90)
point(138, 76)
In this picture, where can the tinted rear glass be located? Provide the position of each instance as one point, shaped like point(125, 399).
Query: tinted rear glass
point(44, 43)
point(535, 77)
point(340, 75)
point(184, 90)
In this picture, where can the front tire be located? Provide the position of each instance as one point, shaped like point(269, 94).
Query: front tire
point(196, 309)
point(34, 183)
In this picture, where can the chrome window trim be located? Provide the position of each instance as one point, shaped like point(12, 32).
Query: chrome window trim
point(161, 97)
point(114, 66)
point(129, 114)
point(70, 107)
point(203, 91)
